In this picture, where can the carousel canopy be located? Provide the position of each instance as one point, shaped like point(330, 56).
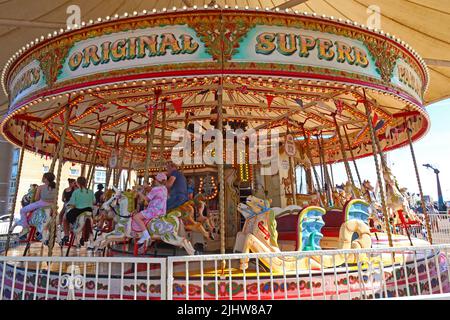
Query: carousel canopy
point(301, 73)
point(423, 24)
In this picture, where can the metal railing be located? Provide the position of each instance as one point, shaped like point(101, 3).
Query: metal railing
point(86, 278)
point(329, 274)
point(350, 274)
point(440, 228)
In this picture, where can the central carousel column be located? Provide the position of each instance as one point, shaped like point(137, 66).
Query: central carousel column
point(52, 225)
point(377, 168)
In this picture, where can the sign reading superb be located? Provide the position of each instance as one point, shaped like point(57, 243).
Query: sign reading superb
point(303, 45)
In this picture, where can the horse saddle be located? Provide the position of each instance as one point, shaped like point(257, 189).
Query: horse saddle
point(86, 214)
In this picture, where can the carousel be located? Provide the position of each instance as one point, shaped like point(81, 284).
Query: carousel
point(117, 92)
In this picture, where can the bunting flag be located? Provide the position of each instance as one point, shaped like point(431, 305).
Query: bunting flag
point(339, 106)
point(101, 108)
point(269, 100)
point(149, 109)
point(299, 102)
point(204, 91)
point(243, 89)
point(61, 116)
point(376, 124)
point(178, 104)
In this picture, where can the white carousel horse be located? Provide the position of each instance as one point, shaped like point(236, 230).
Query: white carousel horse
point(375, 209)
point(81, 229)
point(165, 228)
point(397, 200)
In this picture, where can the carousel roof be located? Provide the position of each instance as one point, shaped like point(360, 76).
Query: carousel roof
point(423, 24)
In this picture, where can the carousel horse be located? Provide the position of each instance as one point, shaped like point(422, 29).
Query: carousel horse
point(260, 235)
point(397, 203)
point(351, 191)
point(38, 222)
point(397, 200)
point(376, 214)
point(28, 198)
point(187, 211)
point(286, 182)
point(81, 230)
point(165, 228)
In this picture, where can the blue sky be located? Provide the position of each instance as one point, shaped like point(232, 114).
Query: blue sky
point(434, 148)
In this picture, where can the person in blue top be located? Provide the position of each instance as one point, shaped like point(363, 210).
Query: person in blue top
point(177, 187)
point(191, 188)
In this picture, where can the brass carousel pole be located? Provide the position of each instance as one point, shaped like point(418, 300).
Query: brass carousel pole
point(292, 171)
point(128, 181)
point(353, 156)
point(150, 135)
point(19, 172)
point(344, 153)
point(419, 183)
point(309, 155)
point(108, 177)
point(52, 225)
point(83, 166)
point(121, 157)
point(220, 166)
point(94, 154)
point(55, 157)
point(163, 134)
point(328, 185)
point(377, 167)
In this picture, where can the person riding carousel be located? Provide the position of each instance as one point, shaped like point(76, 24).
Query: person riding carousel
point(67, 194)
point(45, 196)
point(82, 200)
point(157, 200)
point(177, 186)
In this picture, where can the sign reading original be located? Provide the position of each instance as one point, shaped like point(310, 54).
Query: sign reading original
point(132, 48)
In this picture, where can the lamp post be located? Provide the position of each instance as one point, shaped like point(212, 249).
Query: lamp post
point(441, 205)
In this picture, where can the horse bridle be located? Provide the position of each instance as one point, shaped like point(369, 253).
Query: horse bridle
point(115, 212)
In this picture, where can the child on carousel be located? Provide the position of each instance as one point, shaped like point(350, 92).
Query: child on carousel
point(157, 199)
point(44, 197)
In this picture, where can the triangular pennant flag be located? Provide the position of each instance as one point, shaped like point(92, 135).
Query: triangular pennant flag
point(204, 91)
point(101, 108)
point(61, 116)
point(379, 125)
point(299, 102)
point(374, 119)
point(339, 106)
point(177, 104)
point(269, 100)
